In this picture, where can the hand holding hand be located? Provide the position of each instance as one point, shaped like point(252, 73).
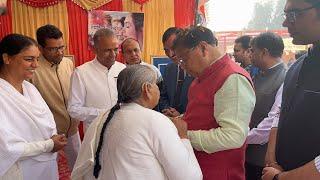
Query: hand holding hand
point(274, 165)
point(269, 172)
point(182, 127)
point(171, 112)
point(59, 142)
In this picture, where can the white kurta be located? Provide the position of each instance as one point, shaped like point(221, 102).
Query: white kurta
point(139, 144)
point(93, 90)
point(26, 128)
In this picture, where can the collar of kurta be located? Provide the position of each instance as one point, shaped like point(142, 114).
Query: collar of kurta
point(51, 64)
point(272, 69)
point(100, 66)
point(218, 64)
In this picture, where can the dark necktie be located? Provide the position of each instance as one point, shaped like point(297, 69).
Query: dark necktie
point(180, 79)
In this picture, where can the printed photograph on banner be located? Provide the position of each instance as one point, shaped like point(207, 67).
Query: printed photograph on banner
point(124, 24)
point(3, 7)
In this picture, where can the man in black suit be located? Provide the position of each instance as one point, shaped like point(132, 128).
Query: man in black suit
point(176, 82)
point(294, 148)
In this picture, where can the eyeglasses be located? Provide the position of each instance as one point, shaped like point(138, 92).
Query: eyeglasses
point(291, 15)
point(56, 49)
point(181, 61)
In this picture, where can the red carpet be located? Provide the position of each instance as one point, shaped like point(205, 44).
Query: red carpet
point(64, 171)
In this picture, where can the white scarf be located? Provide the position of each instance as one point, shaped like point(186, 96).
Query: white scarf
point(83, 168)
point(23, 119)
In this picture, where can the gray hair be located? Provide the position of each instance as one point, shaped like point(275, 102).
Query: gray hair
point(130, 81)
point(104, 32)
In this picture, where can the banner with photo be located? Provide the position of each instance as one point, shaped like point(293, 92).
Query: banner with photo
point(201, 13)
point(124, 24)
point(3, 7)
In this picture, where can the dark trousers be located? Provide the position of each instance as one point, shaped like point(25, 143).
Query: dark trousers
point(253, 172)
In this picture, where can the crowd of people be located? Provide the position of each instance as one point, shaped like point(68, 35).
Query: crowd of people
point(209, 116)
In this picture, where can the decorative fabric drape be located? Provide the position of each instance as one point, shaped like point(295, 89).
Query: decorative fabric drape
point(27, 19)
point(40, 3)
point(78, 29)
point(159, 15)
point(184, 12)
point(5, 21)
point(91, 4)
point(141, 2)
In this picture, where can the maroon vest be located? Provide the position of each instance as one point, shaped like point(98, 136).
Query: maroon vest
point(223, 165)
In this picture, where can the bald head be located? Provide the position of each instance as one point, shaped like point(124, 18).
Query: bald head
point(131, 51)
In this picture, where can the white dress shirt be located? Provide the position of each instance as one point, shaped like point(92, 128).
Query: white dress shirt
point(260, 134)
point(93, 90)
point(317, 163)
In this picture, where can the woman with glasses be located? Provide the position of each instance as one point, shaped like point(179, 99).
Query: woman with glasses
point(134, 142)
point(28, 135)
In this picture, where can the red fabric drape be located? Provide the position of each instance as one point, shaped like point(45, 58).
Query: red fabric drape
point(184, 12)
point(141, 2)
point(78, 29)
point(40, 3)
point(6, 21)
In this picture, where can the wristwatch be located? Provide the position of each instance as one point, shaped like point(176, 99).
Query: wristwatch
point(276, 177)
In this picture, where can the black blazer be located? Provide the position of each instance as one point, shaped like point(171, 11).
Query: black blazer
point(168, 89)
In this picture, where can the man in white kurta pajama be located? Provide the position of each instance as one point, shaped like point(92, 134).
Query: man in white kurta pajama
point(94, 84)
point(27, 126)
point(93, 90)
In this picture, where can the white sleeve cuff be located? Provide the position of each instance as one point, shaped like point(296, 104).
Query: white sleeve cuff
point(49, 144)
point(275, 123)
point(317, 163)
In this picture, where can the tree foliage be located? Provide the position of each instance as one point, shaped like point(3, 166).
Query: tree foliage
point(267, 15)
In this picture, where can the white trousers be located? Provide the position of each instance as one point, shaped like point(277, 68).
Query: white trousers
point(72, 149)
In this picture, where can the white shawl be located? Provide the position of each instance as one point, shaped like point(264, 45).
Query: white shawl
point(83, 168)
point(24, 118)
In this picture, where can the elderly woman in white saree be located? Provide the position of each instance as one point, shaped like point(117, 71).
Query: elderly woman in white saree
point(133, 142)
point(28, 135)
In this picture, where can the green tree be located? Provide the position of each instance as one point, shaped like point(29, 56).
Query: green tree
point(267, 15)
point(276, 22)
point(262, 15)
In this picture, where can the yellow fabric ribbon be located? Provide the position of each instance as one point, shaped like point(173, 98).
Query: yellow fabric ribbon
point(90, 4)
